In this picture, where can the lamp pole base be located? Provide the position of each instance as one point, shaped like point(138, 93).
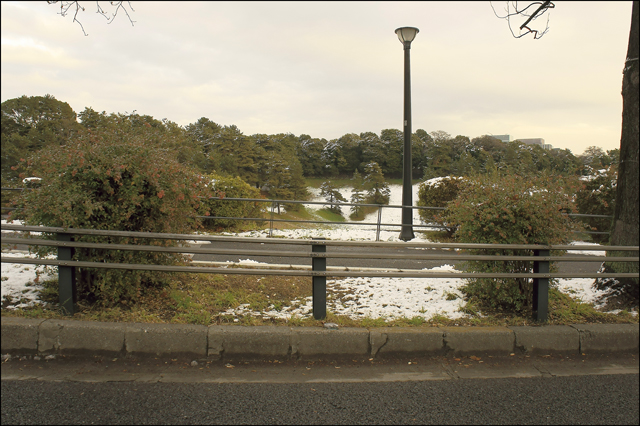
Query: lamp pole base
point(407, 232)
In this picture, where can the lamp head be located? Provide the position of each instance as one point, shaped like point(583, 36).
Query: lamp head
point(406, 35)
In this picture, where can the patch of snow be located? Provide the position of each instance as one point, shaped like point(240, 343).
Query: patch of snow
point(590, 252)
point(19, 281)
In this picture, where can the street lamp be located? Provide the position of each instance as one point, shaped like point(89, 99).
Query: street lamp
point(406, 36)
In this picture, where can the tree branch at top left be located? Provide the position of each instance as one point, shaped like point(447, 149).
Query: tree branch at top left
point(75, 7)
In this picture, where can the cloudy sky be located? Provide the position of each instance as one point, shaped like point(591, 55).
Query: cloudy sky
point(330, 68)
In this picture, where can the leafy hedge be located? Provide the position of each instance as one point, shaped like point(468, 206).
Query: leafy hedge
point(112, 180)
point(218, 189)
point(510, 210)
point(437, 192)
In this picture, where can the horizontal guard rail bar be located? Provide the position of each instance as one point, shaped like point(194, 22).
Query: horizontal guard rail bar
point(321, 203)
point(290, 272)
point(196, 237)
point(260, 219)
point(360, 255)
point(337, 203)
point(256, 219)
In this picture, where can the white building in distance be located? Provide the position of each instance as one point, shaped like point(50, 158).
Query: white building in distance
point(528, 141)
point(503, 138)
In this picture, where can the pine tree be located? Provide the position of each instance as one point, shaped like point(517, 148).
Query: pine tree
point(378, 191)
point(357, 195)
point(332, 194)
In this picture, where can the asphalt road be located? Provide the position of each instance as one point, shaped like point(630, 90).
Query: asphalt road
point(519, 389)
point(367, 262)
point(608, 399)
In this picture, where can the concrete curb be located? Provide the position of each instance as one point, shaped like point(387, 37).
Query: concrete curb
point(233, 342)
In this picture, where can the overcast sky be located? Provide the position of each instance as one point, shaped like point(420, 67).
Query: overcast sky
point(330, 68)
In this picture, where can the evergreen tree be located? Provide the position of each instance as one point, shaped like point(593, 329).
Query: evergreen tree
point(373, 149)
point(297, 185)
point(393, 143)
point(279, 179)
point(377, 189)
point(204, 135)
point(309, 153)
point(357, 195)
point(332, 194)
point(238, 154)
point(30, 124)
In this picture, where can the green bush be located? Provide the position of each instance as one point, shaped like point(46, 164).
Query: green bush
point(598, 196)
point(510, 210)
point(218, 189)
point(437, 192)
point(107, 179)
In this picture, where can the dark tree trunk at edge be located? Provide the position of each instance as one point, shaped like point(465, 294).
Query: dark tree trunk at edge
point(624, 227)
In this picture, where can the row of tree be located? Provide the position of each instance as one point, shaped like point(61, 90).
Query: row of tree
point(277, 164)
point(437, 154)
point(368, 189)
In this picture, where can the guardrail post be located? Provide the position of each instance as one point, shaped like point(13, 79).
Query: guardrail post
point(66, 277)
point(273, 206)
point(540, 287)
point(319, 283)
point(379, 222)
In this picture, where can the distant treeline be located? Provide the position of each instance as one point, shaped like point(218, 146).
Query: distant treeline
point(278, 163)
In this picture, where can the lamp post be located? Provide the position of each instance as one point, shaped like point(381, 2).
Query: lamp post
point(406, 36)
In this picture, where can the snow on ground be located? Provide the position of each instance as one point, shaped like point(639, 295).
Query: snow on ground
point(591, 252)
point(359, 297)
point(581, 289)
point(19, 282)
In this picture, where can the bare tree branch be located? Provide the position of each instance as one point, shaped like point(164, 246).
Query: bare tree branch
point(75, 7)
point(543, 7)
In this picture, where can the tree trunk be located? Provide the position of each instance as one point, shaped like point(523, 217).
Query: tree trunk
point(625, 218)
point(624, 229)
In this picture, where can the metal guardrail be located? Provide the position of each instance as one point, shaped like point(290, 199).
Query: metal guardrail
point(274, 203)
point(318, 254)
point(378, 224)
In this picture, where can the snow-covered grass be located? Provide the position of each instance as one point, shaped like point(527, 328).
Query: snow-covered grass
point(389, 298)
point(20, 282)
